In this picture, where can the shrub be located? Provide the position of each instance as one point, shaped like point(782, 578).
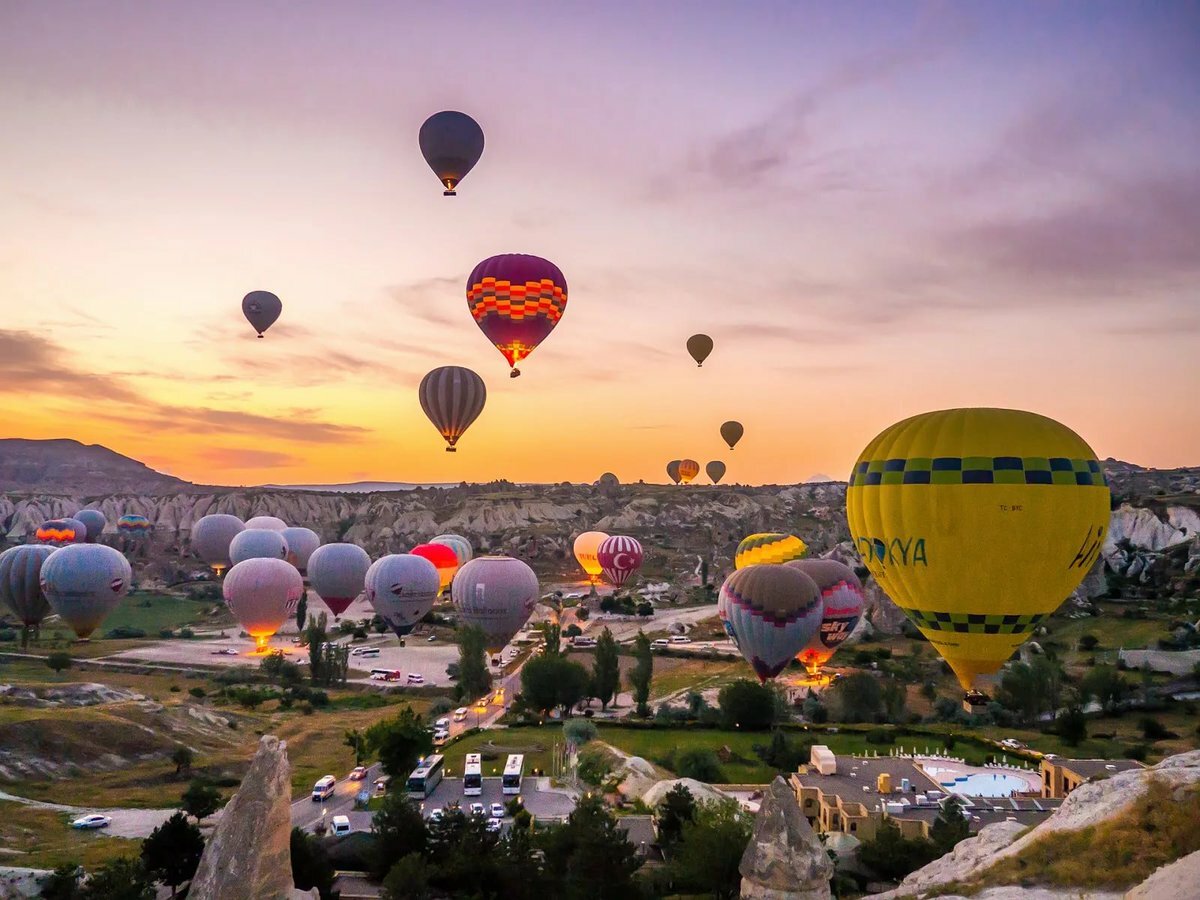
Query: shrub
point(124, 632)
point(166, 633)
point(700, 764)
point(186, 633)
point(197, 692)
point(1154, 730)
point(174, 689)
point(1088, 642)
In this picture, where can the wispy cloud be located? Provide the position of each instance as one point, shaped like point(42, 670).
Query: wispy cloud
point(30, 363)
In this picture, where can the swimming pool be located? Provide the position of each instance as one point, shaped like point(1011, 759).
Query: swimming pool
point(988, 784)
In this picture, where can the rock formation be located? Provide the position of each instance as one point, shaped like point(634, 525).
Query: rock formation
point(784, 859)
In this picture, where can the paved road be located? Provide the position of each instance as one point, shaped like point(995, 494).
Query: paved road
point(306, 813)
point(549, 803)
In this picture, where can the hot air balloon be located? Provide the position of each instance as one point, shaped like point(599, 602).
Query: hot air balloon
point(496, 594)
point(715, 471)
point(978, 523)
point(336, 573)
point(772, 549)
point(451, 143)
point(131, 525)
point(586, 546)
point(257, 543)
point(402, 587)
point(688, 470)
point(302, 543)
point(261, 309)
point(771, 613)
point(452, 398)
point(842, 594)
point(673, 469)
point(608, 481)
point(444, 559)
point(270, 523)
point(619, 557)
point(211, 537)
point(84, 583)
point(21, 587)
point(731, 432)
point(516, 300)
point(459, 544)
point(94, 521)
point(61, 532)
point(699, 346)
point(262, 594)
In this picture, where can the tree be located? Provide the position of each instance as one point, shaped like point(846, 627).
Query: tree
point(356, 741)
point(855, 698)
point(950, 827)
point(316, 636)
point(745, 704)
point(573, 631)
point(311, 867)
point(892, 856)
point(59, 661)
point(1072, 725)
point(302, 612)
point(675, 810)
point(119, 879)
point(183, 758)
point(474, 679)
point(172, 852)
point(62, 883)
point(398, 829)
point(573, 684)
point(460, 849)
point(700, 764)
point(590, 857)
point(642, 673)
point(579, 731)
point(399, 742)
point(711, 849)
point(1088, 642)
point(606, 669)
point(1104, 684)
point(1031, 689)
point(551, 681)
point(201, 800)
point(408, 879)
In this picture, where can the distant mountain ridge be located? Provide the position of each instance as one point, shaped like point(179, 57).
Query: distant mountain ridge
point(65, 466)
point(360, 487)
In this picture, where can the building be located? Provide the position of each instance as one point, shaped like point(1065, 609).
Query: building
point(1061, 776)
point(640, 831)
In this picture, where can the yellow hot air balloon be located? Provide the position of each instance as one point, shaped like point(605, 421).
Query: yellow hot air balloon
point(978, 523)
point(585, 548)
point(688, 469)
point(768, 549)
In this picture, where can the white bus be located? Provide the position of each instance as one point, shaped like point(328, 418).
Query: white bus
point(473, 776)
point(425, 777)
point(513, 770)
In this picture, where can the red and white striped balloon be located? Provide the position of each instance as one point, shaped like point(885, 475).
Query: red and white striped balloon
point(619, 557)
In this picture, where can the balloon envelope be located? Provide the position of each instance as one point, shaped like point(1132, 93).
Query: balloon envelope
point(699, 346)
point(336, 573)
point(444, 559)
point(451, 143)
point(715, 471)
point(771, 613)
point(211, 537)
point(271, 523)
point(257, 543)
point(84, 583)
point(842, 596)
point(61, 532)
point(301, 543)
point(688, 470)
point(133, 525)
point(673, 470)
point(619, 557)
point(459, 544)
point(453, 398)
point(978, 523)
point(94, 521)
point(20, 582)
point(261, 309)
point(262, 594)
point(516, 300)
point(731, 432)
point(586, 547)
point(402, 587)
point(770, 548)
point(496, 594)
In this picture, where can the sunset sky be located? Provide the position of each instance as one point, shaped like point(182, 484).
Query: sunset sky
point(875, 209)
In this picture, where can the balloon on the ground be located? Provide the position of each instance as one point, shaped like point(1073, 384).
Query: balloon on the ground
point(61, 532)
point(211, 537)
point(20, 582)
point(337, 573)
point(978, 523)
point(271, 523)
point(459, 544)
point(402, 587)
point(731, 432)
point(715, 471)
point(444, 559)
point(262, 594)
point(84, 583)
point(261, 309)
point(770, 548)
point(496, 594)
point(771, 613)
point(132, 525)
point(619, 557)
point(673, 470)
point(608, 481)
point(451, 143)
point(94, 521)
point(257, 543)
point(586, 547)
point(452, 398)
point(699, 346)
point(516, 300)
point(301, 544)
point(842, 594)
point(688, 470)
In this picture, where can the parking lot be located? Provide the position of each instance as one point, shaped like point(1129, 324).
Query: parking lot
point(548, 804)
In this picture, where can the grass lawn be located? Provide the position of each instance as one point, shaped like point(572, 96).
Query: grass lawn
point(44, 840)
point(535, 743)
point(674, 675)
point(153, 612)
point(1113, 631)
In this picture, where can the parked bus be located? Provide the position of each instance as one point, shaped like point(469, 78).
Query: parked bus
point(473, 776)
point(425, 777)
point(513, 770)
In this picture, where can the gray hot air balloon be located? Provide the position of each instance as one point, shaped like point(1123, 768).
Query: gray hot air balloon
point(262, 594)
point(302, 542)
point(699, 346)
point(842, 594)
point(452, 398)
point(21, 587)
point(497, 594)
point(261, 309)
point(211, 537)
point(451, 143)
point(770, 614)
point(460, 545)
point(731, 432)
point(673, 469)
point(715, 471)
point(84, 583)
point(94, 521)
point(402, 587)
point(257, 543)
point(336, 573)
point(271, 523)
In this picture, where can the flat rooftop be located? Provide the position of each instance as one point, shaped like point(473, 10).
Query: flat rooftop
point(1090, 768)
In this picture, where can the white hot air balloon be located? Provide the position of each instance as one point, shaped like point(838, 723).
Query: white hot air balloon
point(257, 543)
point(262, 594)
point(402, 587)
point(496, 594)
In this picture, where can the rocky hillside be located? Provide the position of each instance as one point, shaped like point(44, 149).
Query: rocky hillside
point(65, 466)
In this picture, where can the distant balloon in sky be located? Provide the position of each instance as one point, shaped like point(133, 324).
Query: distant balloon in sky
point(262, 594)
point(261, 309)
point(131, 525)
point(336, 573)
point(768, 549)
point(21, 586)
point(715, 471)
point(699, 346)
point(451, 143)
point(84, 583)
point(459, 544)
point(444, 559)
point(585, 548)
point(257, 543)
point(516, 300)
point(496, 594)
point(301, 542)
point(211, 537)
point(94, 521)
point(673, 470)
point(453, 398)
point(842, 594)
point(619, 557)
point(731, 432)
point(688, 470)
point(61, 532)
point(271, 523)
point(402, 587)
point(771, 613)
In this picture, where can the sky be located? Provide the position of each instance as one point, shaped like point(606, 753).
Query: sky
point(875, 209)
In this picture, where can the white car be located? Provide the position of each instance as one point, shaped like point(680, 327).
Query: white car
point(436, 815)
point(341, 825)
point(497, 810)
point(415, 678)
point(431, 638)
point(92, 821)
point(225, 651)
point(660, 644)
point(477, 809)
point(494, 825)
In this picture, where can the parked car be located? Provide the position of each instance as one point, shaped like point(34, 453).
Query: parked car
point(477, 809)
point(341, 825)
point(494, 825)
point(358, 773)
point(92, 821)
point(431, 638)
point(225, 651)
point(497, 810)
point(436, 815)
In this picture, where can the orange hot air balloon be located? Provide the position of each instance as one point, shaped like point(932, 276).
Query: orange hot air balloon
point(516, 301)
point(61, 532)
point(688, 469)
point(444, 559)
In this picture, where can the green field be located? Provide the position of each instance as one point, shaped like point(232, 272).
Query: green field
point(154, 612)
point(43, 839)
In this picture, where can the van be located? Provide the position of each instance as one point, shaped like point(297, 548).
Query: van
point(323, 789)
point(581, 641)
point(381, 785)
point(460, 714)
point(441, 725)
point(660, 644)
point(369, 652)
point(341, 825)
point(681, 639)
point(415, 678)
